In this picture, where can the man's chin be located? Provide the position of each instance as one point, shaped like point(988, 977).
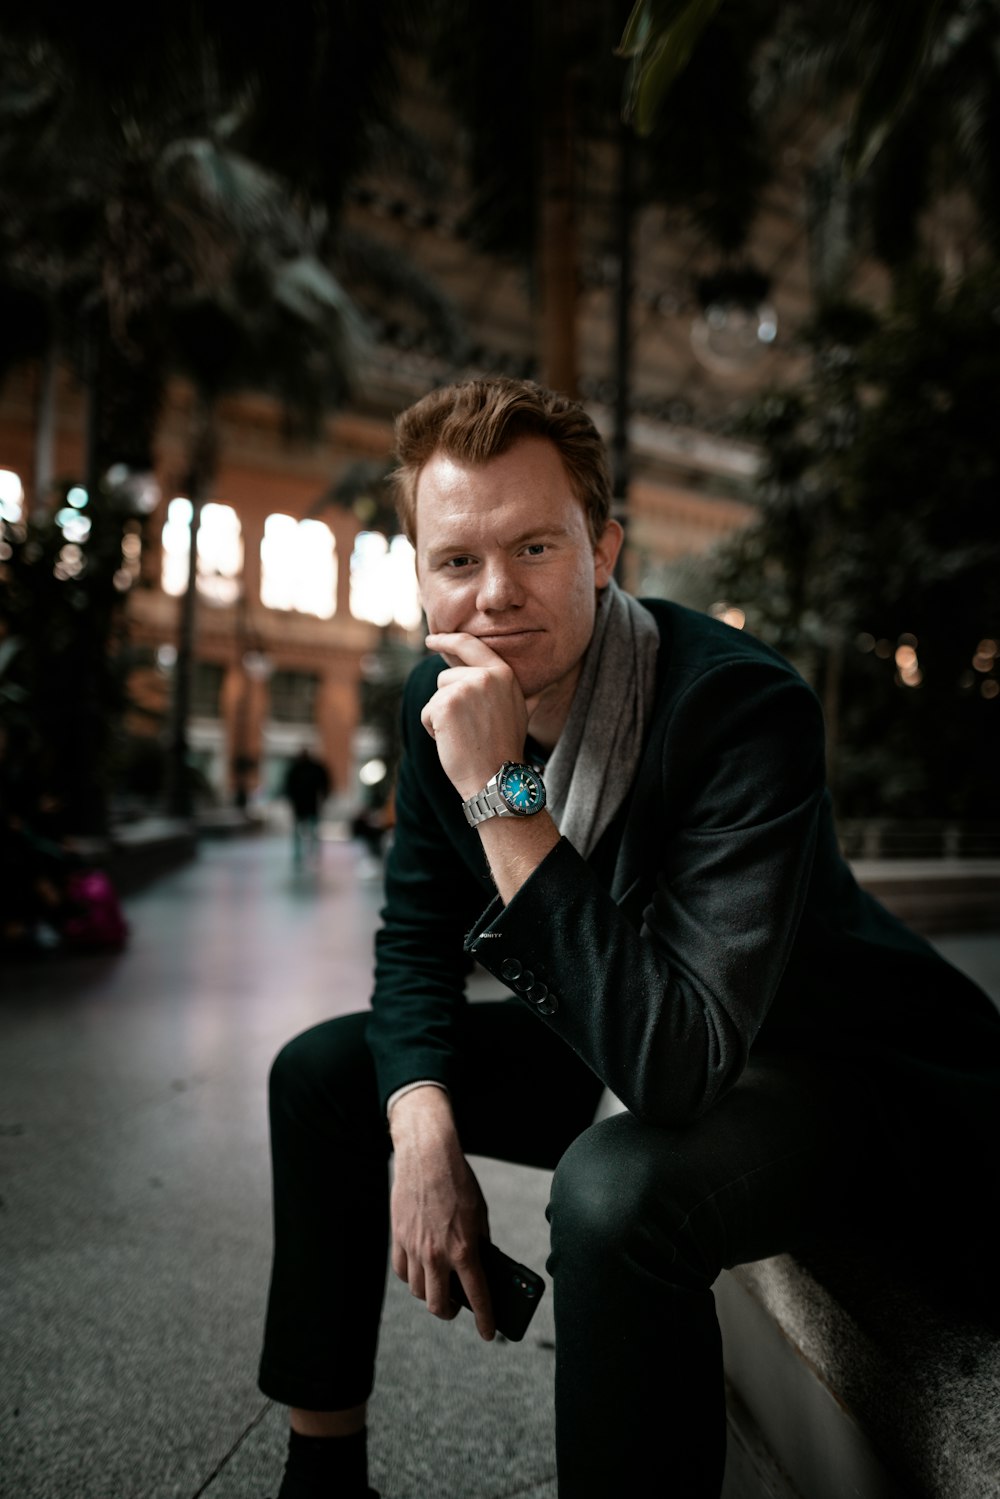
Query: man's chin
point(522, 653)
point(532, 677)
point(528, 653)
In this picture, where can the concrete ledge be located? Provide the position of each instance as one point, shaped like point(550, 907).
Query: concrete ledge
point(863, 1377)
point(936, 895)
point(139, 852)
point(917, 838)
point(228, 822)
point(751, 1469)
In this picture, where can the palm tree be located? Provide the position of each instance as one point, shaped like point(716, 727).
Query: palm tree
point(537, 89)
point(141, 159)
point(135, 223)
point(874, 559)
point(911, 90)
point(855, 539)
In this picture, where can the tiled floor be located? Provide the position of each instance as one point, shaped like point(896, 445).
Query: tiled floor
point(134, 1209)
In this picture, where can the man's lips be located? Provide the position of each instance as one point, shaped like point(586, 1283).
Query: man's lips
point(509, 637)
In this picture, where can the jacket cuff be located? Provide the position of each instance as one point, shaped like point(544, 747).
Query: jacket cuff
point(420, 1082)
point(396, 1067)
point(513, 942)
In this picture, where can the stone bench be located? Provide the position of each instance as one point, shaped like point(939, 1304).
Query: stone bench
point(860, 1377)
point(855, 1374)
point(136, 853)
point(935, 896)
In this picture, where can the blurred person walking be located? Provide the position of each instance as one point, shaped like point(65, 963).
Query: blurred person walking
point(307, 786)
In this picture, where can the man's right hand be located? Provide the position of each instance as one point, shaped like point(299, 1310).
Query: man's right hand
point(438, 1211)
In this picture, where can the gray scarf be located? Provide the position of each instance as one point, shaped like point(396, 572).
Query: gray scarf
point(593, 765)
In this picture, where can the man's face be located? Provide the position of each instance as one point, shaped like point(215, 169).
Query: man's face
point(504, 553)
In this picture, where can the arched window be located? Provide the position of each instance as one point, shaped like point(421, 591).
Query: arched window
point(220, 554)
point(298, 566)
point(220, 551)
point(383, 581)
point(11, 496)
point(176, 546)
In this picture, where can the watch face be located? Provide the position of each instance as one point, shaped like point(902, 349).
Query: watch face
point(522, 790)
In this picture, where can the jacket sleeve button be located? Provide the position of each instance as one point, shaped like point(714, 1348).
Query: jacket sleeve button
point(537, 993)
point(525, 981)
point(548, 1006)
point(510, 969)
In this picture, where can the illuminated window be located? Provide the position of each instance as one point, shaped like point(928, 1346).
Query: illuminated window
point(220, 551)
point(298, 566)
point(220, 554)
point(11, 495)
point(176, 546)
point(383, 581)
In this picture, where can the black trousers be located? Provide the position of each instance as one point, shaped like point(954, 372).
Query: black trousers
point(642, 1221)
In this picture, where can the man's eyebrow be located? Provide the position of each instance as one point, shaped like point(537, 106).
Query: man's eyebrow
point(459, 547)
point(538, 533)
point(447, 549)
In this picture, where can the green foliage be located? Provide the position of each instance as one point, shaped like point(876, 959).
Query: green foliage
point(659, 39)
point(60, 689)
point(129, 214)
point(170, 189)
point(519, 75)
point(910, 90)
point(878, 529)
point(704, 152)
point(897, 52)
point(306, 94)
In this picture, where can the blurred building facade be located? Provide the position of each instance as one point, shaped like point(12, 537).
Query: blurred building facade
point(296, 586)
point(278, 640)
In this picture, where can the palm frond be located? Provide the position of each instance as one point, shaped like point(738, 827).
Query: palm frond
point(308, 290)
point(905, 35)
point(205, 184)
point(659, 39)
point(380, 272)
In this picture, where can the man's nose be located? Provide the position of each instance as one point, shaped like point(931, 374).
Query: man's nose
point(498, 588)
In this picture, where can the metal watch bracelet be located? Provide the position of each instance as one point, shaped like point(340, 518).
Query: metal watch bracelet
point(521, 798)
point(486, 803)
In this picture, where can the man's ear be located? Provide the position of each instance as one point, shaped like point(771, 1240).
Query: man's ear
point(606, 553)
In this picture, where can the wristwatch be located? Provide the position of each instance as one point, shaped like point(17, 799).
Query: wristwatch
point(515, 791)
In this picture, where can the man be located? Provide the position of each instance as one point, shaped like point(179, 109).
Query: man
point(306, 786)
point(635, 794)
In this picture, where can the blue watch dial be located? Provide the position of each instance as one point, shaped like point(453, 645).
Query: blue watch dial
point(522, 790)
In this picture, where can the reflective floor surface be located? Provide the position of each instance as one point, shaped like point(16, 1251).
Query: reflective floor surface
point(134, 1207)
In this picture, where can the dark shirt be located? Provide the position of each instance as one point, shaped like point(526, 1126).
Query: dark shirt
point(307, 785)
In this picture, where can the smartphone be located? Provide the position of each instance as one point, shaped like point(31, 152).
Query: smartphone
point(515, 1291)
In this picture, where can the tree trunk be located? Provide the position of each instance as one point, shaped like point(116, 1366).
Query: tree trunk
point(556, 258)
point(45, 427)
point(623, 340)
point(201, 472)
point(830, 230)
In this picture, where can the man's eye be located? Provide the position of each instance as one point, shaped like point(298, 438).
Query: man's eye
point(535, 549)
point(456, 562)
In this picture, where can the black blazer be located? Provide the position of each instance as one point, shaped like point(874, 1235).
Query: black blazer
point(716, 914)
